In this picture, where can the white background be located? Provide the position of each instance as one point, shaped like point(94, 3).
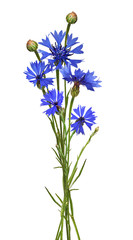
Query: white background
point(104, 204)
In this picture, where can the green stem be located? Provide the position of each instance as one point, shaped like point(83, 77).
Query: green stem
point(57, 79)
point(66, 172)
point(67, 31)
point(37, 55)
point(76, 229)
point(69, 127)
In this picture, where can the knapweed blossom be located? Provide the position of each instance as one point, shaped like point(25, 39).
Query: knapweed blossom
point(54, 100)
point(36, 74)
point(58, 54)
point(80, 77)
point(81, 117)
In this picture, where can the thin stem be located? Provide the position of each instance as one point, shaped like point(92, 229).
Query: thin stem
point(67, 31)
point(37, 55)
point(76, 229)
point(72, 217)
point(69, 127)
point(57, 79)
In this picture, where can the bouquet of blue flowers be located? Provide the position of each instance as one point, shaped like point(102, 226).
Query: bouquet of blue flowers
point(65, 120)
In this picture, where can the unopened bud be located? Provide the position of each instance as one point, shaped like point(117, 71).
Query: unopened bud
point(71, 18)
point(96, 129)
point(32, 46)
point(75, 90)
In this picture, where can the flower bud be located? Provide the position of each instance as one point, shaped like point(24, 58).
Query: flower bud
point(96, 129)
point(71, 18)
point(32, 46)
point(75, 90)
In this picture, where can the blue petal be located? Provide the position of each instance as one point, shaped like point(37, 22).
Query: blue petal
point(46, 42)
point(77, 110)
point(34, 67)
point(46, 81)
point(58, 37)
point(88, 113)
point(73, 117)
point(89, 124)
point(77, 49)
point(75, 62)
point(44, 103)
point(82, 111)
point(70, 41)
point(60, 98)
point(44, 54)
point(34, 82)
point(48, 111)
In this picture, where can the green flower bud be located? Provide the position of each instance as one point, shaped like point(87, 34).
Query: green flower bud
point(96, 129)
point(71, 18)
point(32, 46)
point(75, 90)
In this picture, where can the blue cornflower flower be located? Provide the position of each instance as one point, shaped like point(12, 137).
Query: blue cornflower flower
point(37, 74)
point(80, 77)
point(59, 54)
point(88, 118)
point(54, 99)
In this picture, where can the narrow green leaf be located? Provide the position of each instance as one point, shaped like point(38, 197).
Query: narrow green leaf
point(79, 172)
point(75, 166)
point(57, 167)
point(71, 204)
point(60, 152)
point(59, 198)
point(58, 158)
point(76, 229)
point(56, 153)
point(72, 174)
point(74, 189)
point(58, 232)
point(72, 134)
point(52, 197)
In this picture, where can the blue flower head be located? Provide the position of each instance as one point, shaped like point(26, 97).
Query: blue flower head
point(54, 100)
point(57, 54)
point(36, 74)
point(80, 78)
point(81, 117)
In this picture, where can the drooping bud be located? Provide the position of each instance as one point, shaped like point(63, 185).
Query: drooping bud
point(72, 18)
point(75, 89)
point(32, 46)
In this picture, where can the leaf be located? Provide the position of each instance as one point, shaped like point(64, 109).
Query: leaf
point(52, 197)
point(74, 189)
point(72, 134)
point(71, 204)
point(57, 167)
point(58, 158)
point(75, 166)
point(79, 172)
point(59, 198)
point(60, 152)
point(72, 174)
